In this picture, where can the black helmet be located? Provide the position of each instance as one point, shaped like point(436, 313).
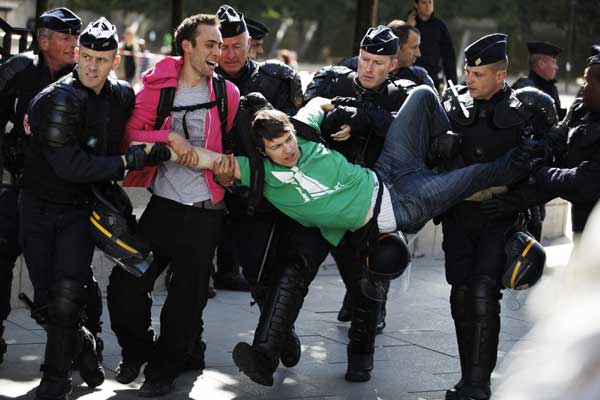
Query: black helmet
point(114, 229)
point(388, 259)
point(525, 261)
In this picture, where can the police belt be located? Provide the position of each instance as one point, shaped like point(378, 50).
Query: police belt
point(207, 205)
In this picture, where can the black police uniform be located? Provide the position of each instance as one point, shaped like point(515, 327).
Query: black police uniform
point(436, 46)
point(21, 78)
point(75, 140)
point(369, 112)
point(267, 242)
point(473, 244)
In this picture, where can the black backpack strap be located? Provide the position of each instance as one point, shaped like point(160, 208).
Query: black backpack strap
point(165, 104)
point(221, 96)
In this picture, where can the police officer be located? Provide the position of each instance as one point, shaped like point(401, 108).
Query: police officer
point(574, 174)
point(492, 120)
point(257, 31)
point(76, 127)
point(21, 78)
point(281, 86)
point(543, 68)
point(356, 127)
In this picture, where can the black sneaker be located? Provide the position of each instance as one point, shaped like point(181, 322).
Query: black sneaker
point(53, 387)
point(359, 367)
point(155, 389)
point(127, 371)
point(231, 281)
point(254, 364)
point(90, 369)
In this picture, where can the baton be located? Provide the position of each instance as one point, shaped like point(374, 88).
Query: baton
point(455, 93)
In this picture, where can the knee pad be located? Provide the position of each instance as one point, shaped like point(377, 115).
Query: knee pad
point(485, 294)
point(459, 300)
point(67, 302)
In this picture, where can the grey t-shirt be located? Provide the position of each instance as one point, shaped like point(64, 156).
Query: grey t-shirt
point(176, 182)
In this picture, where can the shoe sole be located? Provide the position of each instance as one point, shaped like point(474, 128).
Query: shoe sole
point(244, 359)
point(357, 378)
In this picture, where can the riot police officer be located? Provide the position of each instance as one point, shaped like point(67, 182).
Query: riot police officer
point(76, 127)
point(21, 78)
point(492, 119)
point(366, 102)
point(281, 86)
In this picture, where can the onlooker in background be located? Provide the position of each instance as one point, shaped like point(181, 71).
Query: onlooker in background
point(257, 31)
point(144, 56)
point(128, 49)
point(288, 57)
point(436, 44)
point(543, 68)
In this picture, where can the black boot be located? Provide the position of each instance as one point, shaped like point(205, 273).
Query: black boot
point(3, 346)
point(65, 339)
point(90, 367)
point(464, 326)
point(362, 339)
point(291, 351)
point(279, 310)
point(127, 371)
point(254, 364)
point(381, 314)
point(345, 313)
point(359, 367)
point(195, 359)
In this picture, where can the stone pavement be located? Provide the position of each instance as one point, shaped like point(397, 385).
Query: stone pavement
point(416, 356)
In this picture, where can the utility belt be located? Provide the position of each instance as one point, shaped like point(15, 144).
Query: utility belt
point(207, 205)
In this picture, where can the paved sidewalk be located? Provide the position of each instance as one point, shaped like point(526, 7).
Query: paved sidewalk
point(416, 356)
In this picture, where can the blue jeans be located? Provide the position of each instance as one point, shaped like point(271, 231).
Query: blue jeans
point(417, 192)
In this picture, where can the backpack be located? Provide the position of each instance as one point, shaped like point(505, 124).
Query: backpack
point(167, 95)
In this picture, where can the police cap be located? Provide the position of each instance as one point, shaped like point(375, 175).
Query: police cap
point(60, 20)
point(544, 48)
point(100, 35)
point(487, 50)
point(380, 40)
point(595, 50)
point(593, 60)
point(257, 29)
point(232, 22)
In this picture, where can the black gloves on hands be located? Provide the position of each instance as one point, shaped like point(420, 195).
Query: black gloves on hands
point(159, 153)
point(135, 157)
point(345, 115)
point(344, 101)
point(531, 155)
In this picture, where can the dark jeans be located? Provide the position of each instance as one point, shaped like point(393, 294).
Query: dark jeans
point(419, 193)
point(57, 243)
point(186, 236)
point(9, 246)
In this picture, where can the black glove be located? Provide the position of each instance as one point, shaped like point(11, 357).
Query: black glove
point(159, 153)
point(342, 115)
point(135, 157)
point(557, 140)
point(344, 101)
point(253, 102)
point(528, 151)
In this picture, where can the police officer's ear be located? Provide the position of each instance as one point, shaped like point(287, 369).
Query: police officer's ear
point(43, 42)
point(116, 61)
point(501, 75)
point(394, 63)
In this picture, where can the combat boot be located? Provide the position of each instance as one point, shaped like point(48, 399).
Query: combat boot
point(254, 364)
point(194, 361)
point(359, 367)
point(90, 369)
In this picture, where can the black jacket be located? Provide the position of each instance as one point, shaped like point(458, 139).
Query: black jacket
point(76, 136)
point(548, 87)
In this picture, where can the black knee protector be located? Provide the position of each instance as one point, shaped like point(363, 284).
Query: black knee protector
point(67, 302)
point(485, 293)
point(444, 147)
point(459, 303)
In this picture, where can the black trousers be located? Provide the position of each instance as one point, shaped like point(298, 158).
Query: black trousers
point(57, 243)
point(9, 246)
point(186, 236)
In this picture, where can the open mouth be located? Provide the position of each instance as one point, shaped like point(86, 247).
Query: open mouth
point(211, 64)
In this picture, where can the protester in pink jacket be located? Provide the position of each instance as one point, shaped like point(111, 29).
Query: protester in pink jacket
point(184, 218)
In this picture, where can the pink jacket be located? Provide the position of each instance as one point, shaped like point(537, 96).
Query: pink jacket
point(140, 127)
